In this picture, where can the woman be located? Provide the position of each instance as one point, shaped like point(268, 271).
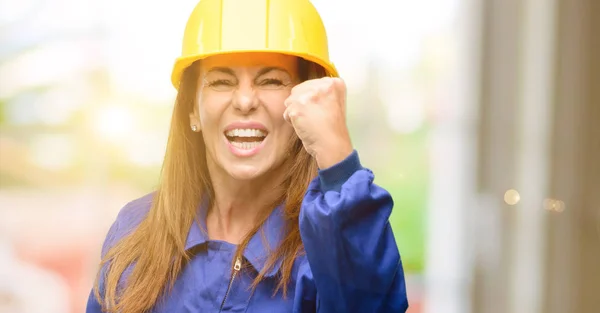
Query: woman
point(263, 205)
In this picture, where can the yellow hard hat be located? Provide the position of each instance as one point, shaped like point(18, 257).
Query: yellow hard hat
point(291, 27)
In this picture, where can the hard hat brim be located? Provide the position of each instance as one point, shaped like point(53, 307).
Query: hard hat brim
point(183, 62)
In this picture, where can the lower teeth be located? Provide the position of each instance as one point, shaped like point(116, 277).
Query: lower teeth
point(245, 145)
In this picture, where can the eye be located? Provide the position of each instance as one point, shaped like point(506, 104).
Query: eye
point(220, 83)
point(273, 82)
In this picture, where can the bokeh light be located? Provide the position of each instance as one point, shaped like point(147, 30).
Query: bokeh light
point(512, 197)
point(554, 205)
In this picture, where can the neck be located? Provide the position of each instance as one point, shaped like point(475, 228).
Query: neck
point(238, 205)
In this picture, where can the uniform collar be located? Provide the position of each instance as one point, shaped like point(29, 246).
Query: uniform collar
point(261, 245)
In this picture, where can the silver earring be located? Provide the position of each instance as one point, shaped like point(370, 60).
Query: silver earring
point(194, 128)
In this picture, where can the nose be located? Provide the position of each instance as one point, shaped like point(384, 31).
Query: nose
point(245, 99)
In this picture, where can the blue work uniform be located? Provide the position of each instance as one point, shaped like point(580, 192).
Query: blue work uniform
point(351, 264)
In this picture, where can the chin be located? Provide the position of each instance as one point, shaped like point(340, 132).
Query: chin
point(246, 171)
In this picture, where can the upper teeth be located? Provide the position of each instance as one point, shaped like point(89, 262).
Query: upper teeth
point(245, 133)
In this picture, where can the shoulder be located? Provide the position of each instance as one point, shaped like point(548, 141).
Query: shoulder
point(132, 214)
point(129, 217)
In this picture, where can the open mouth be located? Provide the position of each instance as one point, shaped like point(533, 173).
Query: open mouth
point(246, 139)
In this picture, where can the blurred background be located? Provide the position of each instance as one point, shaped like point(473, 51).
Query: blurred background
point(479, 116)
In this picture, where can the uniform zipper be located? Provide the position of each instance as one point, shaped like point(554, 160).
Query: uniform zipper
point(236, 268)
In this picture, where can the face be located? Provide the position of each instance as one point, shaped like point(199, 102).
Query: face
point(239, 110)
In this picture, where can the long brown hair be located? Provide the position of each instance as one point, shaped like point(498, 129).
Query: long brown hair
point(156, 249)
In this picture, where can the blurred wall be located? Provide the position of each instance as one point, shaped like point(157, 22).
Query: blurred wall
point(539, 249)
point(574, 240)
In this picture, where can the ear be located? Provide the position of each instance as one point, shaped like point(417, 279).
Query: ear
point(195, 120)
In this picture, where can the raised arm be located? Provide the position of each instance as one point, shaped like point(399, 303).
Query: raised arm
point(349, 242)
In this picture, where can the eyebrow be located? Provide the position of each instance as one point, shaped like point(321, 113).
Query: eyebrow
point(262, 71)
point(268, 69)
point(225, 70)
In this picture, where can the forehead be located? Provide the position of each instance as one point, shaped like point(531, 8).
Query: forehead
point(239, 61)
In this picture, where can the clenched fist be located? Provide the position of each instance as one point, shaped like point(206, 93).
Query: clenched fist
point(316, 109)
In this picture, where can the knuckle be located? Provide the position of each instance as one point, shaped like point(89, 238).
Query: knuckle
point(328, 81)
point(304, 98)
point(288, 102)
point(294, 114)
point(340, 83)
point(323, 88)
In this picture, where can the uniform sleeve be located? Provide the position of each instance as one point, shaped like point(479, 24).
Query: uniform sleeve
point(349, 242)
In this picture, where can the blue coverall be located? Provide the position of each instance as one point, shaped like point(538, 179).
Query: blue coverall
point(351, 264)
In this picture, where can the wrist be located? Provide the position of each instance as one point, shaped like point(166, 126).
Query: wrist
point(334, 177)
point(332, 155)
